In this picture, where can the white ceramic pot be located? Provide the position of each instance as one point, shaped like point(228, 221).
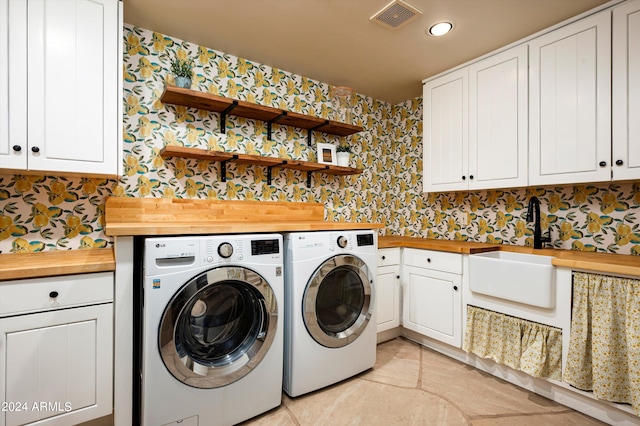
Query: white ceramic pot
point(343, 159)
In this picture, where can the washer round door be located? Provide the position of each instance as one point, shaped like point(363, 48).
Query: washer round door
point(338, 301)
point(218, 327)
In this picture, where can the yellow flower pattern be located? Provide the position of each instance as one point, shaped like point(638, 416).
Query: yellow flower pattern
point(604, 341)
point(47, 213)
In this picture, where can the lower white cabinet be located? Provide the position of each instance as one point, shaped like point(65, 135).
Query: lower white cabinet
point(56, 350)
point(388, 289)
point(432, 294)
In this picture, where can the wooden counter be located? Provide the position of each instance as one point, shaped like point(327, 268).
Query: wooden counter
point(617, 264)
point(52, 263)
point(166, 216)
point(439, 245)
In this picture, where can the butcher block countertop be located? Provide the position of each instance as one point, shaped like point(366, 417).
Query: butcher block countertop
point(439, 245)
point(166, 216)
point(59, 262)
point(597, 262)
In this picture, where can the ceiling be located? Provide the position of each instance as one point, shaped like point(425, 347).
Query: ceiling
point(334, 41)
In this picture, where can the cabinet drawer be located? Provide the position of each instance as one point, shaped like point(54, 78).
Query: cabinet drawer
point(44, 294)
point(389, 256)
point(437, 260)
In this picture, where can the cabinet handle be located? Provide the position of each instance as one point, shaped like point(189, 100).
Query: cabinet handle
point(53, 294)
point(619, 163)
point(17, 148)
point(35, 149)
point(428, 260)
point(471, 177)
point(398, 277)
point(384, 257)
point(455, 287)
point(464, 178)
point(603, 164)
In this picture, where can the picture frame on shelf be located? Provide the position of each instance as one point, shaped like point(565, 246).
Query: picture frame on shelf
point(326, 153)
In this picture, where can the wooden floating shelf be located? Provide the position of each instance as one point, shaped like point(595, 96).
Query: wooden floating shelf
point(227, 106)
point(224, 157)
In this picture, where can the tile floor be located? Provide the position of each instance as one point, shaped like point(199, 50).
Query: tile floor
point(413, 385)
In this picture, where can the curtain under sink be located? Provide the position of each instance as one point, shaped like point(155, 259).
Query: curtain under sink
point(533, 348)
point(604, 349)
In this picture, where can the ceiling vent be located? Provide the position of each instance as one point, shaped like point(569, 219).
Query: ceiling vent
point(395, 14)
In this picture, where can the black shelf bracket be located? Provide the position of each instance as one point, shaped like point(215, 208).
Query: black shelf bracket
point(284, 113)
point(310, 131)
point(223, 167)
point(269, 173)
point(223, 117)
point(313, 171)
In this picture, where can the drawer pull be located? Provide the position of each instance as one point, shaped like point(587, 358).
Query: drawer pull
point(428, 260)
point(53, 294)
point(397, 277)
point(455, 288)
point(384, 257)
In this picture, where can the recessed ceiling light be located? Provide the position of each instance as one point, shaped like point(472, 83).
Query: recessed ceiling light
point(440, 29)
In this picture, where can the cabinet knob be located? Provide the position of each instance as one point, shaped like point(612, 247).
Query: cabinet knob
point(455, 288)
point(471, 177)
point(603, 164)
point(464, 178)
point(398, 277)
point(17, 148)
point(428, 260)
point(53, 294)
point(35, 149)
point(619, 163)
point(384, 257)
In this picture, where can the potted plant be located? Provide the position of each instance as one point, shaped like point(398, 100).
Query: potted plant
point(343, 154)
point(182, 70)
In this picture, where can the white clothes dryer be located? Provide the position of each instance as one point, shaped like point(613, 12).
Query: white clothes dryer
point(330, 329)
point(212, 329)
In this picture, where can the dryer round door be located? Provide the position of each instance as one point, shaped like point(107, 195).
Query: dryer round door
point(218, 327)
point(338, 301)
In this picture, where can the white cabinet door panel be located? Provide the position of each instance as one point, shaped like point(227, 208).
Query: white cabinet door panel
point(72, 78)
point(432, 304)
point(13, 84)
point(388, 297)
point(63, 358)
point(498, 116)
point(445, 159)
point(626, 91)
point(570, 97)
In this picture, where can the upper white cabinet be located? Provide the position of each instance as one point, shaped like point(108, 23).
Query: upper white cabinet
point(626, 91)
point(446, 106)
point(570, 103)
point(475, 125)
point(498, 120)
point(62, 60)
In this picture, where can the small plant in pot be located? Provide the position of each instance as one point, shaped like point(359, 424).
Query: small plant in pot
point(343, 153)
point(182, 70)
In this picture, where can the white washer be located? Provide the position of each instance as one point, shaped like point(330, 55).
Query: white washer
point(212, 328)
point(330, 329)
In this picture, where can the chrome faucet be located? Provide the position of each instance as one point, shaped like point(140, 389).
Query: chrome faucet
point(533, 215)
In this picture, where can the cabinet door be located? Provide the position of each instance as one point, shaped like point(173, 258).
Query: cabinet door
point(570, 103)
point(433, 304)
point(445, 159)
point(57, 365)
point(498, 117)
point(73, 86)
point(626, 91)
point(388, 297)
point(13, 62)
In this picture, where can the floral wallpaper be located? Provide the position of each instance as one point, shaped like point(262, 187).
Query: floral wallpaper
point(39, 213)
